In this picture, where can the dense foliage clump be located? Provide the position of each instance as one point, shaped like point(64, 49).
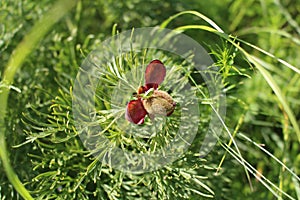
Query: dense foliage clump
point(255, 47)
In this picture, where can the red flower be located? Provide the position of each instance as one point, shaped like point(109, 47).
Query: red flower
point(150, 101)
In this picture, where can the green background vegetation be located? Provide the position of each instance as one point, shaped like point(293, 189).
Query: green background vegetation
point(262, 99)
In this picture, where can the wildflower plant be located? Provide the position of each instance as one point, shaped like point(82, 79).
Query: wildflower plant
point(63, 124)
point(104, 110)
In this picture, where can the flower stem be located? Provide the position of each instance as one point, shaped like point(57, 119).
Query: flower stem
point(17, 58)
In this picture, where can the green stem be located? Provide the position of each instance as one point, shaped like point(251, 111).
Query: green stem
point(17, 58)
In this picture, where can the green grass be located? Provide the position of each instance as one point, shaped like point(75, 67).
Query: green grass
point(255, 47)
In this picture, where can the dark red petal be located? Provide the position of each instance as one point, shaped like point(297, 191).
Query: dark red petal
point(150, 85)
point(155, 73)
point(135, 112)
point(142, 89)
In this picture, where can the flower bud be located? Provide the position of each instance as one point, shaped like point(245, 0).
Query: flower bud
point(159, 103)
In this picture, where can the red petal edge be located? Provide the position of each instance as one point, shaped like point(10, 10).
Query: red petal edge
point(135, 112)
point(142, 89)
point(155, 74)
